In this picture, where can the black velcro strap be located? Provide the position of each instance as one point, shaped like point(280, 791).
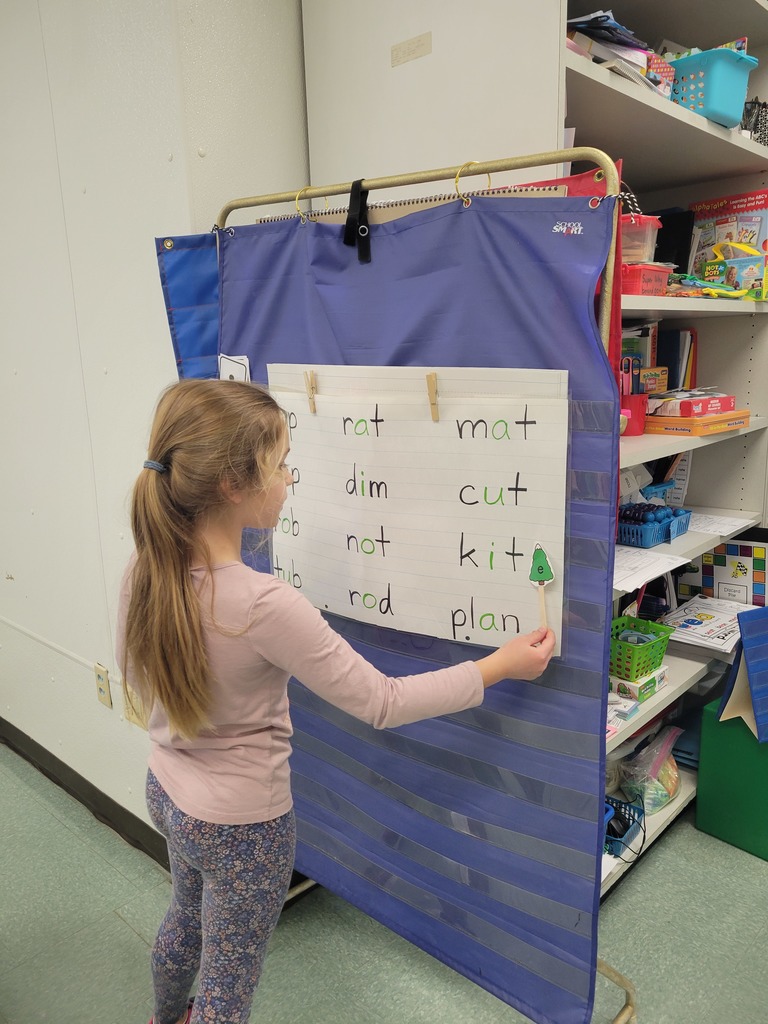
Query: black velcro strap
point(356, 231)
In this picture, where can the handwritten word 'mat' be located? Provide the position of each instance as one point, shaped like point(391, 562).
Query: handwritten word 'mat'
point(498, 430)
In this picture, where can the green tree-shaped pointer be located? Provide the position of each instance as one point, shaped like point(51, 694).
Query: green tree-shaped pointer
point(541, 570)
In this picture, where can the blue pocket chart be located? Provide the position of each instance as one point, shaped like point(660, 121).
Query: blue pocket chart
point(477, 836)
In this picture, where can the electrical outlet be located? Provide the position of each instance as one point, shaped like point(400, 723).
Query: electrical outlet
point(133, 709)
point(103, 691)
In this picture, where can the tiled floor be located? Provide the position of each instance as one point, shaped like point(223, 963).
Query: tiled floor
point(79, 907)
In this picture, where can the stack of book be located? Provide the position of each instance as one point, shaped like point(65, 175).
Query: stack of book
point(604, 40)
point(639, 341)
point(698, 412)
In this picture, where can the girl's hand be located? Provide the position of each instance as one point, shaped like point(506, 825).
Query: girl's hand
point(525, 657)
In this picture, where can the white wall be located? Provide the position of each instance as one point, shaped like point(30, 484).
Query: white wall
point(489, 88)
point(119, 122)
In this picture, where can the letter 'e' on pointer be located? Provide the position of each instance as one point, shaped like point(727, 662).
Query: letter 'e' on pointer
point(540, 575)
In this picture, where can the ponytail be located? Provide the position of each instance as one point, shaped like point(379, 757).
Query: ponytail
point(205, 433)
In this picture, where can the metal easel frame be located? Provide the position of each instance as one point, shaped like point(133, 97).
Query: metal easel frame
point(581, 153)
point(628, 1013)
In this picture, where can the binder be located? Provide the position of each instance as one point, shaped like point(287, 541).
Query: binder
point(678, 351)
point(754, 639)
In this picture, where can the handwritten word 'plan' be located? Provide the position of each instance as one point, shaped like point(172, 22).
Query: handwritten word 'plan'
point(421, 525)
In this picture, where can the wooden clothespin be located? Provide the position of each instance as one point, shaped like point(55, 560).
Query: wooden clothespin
point(432, 392)
point(310, 383)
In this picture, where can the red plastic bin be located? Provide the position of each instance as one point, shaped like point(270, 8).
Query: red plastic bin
point(644, 278)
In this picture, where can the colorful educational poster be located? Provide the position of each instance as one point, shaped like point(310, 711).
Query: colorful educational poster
point(706, 622)
point(732, 571)
point(422, 510)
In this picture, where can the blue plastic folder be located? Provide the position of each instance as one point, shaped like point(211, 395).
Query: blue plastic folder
point(753, 648)
point(754, 638)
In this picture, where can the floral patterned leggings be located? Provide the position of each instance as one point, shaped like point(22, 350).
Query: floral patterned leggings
point(229, 884)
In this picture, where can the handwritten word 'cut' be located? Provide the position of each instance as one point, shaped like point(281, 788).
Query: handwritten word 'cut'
point(367, 545)
point(471, 555)
point(357, 484)
point(498, 430)
point(468, 494)
point(359, 427)
point(289, 575)
point(489, 622)
point(288, 524)
point(370, 601)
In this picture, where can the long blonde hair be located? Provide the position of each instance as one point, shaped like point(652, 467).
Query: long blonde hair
point(205, 434)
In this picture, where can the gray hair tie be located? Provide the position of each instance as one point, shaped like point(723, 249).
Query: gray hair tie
point(157, 466)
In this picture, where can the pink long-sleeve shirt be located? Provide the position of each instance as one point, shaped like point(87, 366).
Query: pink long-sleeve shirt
point(259, 632)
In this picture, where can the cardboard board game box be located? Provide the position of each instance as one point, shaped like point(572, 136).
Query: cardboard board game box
point(733, 571)
point(641, 689)
point(721, 229)
point(697, 426)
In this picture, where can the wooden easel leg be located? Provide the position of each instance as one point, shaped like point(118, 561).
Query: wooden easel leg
point(628, 1014)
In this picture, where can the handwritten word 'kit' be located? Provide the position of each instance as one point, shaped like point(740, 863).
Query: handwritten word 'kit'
point(420, 494)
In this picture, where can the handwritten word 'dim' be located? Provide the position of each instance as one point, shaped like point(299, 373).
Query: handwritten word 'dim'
point(357, 484)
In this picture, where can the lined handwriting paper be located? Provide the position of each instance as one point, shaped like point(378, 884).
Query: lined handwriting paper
point(419, 525)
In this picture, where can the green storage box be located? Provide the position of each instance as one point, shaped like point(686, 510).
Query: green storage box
point(732, 789)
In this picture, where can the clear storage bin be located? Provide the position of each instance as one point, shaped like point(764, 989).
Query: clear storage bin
point(638, 237)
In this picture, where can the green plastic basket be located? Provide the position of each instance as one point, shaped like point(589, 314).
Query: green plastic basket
point(633, 661)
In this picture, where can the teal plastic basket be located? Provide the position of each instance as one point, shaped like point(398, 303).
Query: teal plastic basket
point(714, 84)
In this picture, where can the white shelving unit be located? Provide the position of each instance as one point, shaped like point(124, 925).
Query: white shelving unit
point(677, 146)
point(693, 543)
point(674, 156)
point(615, 867)
point(684, 671)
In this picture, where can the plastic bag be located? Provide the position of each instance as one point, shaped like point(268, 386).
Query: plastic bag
point(652, 776)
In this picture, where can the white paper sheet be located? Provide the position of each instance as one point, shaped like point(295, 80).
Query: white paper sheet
point(635, 566)
point(707, 622)
point(721, 526)
point(426, 527)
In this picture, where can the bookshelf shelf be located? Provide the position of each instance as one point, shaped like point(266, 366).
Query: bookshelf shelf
point(693, 147)
point(715, 23)
point(691, 544)
point(613, 868)
point(648, 447)
point(684, 671)
point(659, 307)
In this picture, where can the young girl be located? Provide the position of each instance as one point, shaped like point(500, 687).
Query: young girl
point(209, 645)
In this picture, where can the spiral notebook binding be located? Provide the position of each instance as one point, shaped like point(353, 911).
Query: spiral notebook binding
point(445, 197)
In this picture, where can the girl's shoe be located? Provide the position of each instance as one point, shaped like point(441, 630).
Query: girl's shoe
point(187, 1018)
